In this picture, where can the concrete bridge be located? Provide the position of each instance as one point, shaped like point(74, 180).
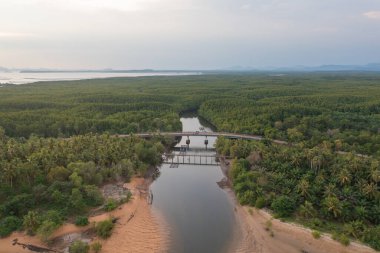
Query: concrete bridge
point(206, 134)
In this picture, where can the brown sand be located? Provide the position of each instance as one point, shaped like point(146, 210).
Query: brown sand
point(253, 237)
point(287, 237)
point(143, 233)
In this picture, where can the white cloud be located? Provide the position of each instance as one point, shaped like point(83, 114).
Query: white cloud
point(372, 14)
point(246, 7)
point(186, 33)
point(119, 5)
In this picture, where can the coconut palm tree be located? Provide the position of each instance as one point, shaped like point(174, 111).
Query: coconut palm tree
point(345, 177)
point(333, 206)
point(303, 187)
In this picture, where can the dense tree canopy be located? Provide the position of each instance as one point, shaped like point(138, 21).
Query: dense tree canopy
point(342, 108)
point(328, 178)
point(44, 180)
point(315, 185)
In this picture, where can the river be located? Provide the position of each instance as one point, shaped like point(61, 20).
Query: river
point(199, 213)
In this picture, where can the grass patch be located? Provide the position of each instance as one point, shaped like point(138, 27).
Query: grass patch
point(316, 234)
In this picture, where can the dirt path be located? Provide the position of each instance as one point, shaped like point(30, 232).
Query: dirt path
point(145, 232)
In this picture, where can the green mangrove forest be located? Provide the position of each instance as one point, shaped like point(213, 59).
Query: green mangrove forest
point(58, 144)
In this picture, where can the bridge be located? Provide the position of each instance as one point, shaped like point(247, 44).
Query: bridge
point(206, 134)
point(192, 159)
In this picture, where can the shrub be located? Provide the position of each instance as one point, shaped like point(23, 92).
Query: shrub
point(315, 223)
point(283, 206)
point(54, 216)
point(76, 200)
point(316, 234)
point(354, 228)
point(372, 237)
point(79, 247)
point(96, 247)
point(260, 202)
point(31, 222)
point(8, 225)
point(268, 225)
point(343, 239)
point(81, 221)
point(93, 195)
point(335, 236)
point(110, 205)
point(104, 228)
point(126, 199)
point(46, 230)
point(18, 205)
point(246, 197)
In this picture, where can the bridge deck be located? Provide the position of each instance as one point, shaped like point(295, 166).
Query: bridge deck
point(206, 134)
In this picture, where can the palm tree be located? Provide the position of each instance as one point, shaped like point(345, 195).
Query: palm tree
point(344, 177)
point(371, 190)
point(307, 210)
point(9, 173)
point(329, 190)
point(375, 175)
point(333, 205)
point(303, 187)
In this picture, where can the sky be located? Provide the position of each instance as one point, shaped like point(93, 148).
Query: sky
point(187, 34)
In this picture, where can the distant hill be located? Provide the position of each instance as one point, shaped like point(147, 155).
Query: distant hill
point(2, 69)
point(367, 67)
point(301, 68)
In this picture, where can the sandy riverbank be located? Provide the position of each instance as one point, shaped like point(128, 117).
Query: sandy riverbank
point(253, 236)
point(145, 232)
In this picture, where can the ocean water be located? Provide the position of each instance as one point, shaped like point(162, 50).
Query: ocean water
point(24, 78)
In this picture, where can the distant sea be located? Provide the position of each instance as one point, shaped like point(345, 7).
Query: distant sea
point(32, 77)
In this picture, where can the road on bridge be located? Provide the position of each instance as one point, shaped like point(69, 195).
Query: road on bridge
point(208, 134)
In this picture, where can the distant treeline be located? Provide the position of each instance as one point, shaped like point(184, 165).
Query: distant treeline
point(341, 108)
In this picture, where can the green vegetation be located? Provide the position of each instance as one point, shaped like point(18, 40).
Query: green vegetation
point(316, 234)
point(104, 228)
point(96, 247)
point(46, 180)
point(341, 108)
point(110, 205)
point(79, 247)
point(315, 186)
point(9, 224)
point(328, 179)
point(283, 206)
point(81, 221)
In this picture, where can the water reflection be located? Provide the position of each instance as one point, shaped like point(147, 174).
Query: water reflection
point(199, 212)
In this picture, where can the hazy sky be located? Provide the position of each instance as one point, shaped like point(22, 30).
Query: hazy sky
point(191, 34)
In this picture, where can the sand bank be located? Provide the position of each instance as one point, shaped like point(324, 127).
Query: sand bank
point(287, 237)
point(145, 232)
point(253, 236)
